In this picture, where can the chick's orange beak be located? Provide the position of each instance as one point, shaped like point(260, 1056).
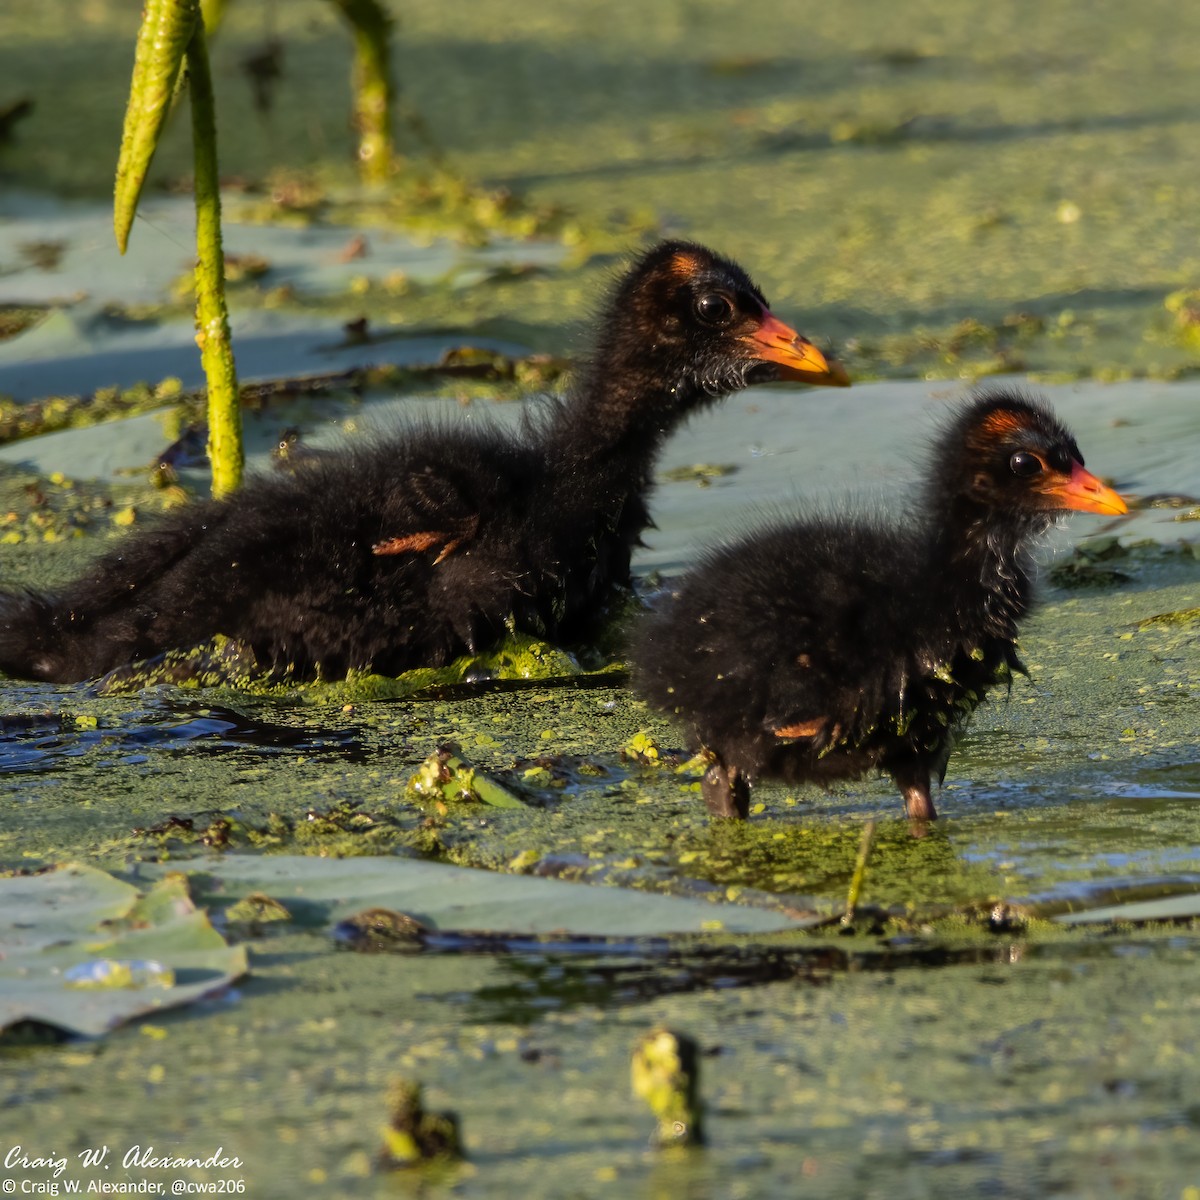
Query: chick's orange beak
point(1083, 492)
point(796, 357)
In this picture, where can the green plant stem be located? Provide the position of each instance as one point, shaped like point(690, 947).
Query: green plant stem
point(213, 11)
point(860, 871)
point(373, 88)
point(212, 317)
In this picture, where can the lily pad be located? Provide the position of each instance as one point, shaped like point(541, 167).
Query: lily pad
point(84, 952)
point(318, 890)
point(1139, 912)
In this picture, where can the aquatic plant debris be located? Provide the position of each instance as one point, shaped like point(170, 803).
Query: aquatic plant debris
point(380, 930)
point(445, 777)
point(665, 1073)
point(222, 662)
point(254, 912)
point(415, 1135)
point(84, 952)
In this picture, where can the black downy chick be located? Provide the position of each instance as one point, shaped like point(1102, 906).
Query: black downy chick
point(431, 544)
point(825, 648)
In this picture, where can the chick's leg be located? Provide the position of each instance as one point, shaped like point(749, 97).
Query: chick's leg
point(726, 791)
point(913, 781)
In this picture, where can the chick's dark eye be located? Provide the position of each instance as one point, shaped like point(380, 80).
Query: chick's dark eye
point(1025, 465)
point(714, 309)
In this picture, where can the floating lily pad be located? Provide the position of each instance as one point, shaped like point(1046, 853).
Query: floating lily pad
point(84, 952)
point(318, 890)
point(1138, 912)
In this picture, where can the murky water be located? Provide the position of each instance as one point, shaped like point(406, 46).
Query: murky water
point(971, 1035)
point(1081, 791)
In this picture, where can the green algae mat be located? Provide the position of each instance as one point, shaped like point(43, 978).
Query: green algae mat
point(231, 917)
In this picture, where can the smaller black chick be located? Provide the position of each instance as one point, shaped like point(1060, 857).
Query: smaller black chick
point(435, 542)
point(822, 649)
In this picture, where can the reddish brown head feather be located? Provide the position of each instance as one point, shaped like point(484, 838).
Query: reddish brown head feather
point(686, 265)
point(1003, 423)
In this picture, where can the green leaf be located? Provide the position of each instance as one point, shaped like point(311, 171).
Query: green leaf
point(167, 27)
point(84, 952)
point(445, 776)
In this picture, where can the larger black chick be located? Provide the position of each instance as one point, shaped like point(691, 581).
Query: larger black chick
point(417, 549)
point(823, 649)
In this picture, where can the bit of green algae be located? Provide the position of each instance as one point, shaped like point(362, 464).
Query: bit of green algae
point(16, 318)
point(1179, 617)
point(1184, 305)
point(701, 474)
point(256, 910)
point(68, 412)
point(221, 663)
point(447, 779)
point(39, 510)
point(381, 930)
point(413, 1135)
point(427, 200)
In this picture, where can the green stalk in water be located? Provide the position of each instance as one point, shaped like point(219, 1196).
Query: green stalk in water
point(665, 1072)
point(171, 33)
point(860, 871)
point(213, 12)
point(212, 316)
point(373, 91)
point(414, 1135)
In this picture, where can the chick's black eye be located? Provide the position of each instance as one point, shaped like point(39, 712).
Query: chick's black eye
point(1025, 465)
point(714, 309)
